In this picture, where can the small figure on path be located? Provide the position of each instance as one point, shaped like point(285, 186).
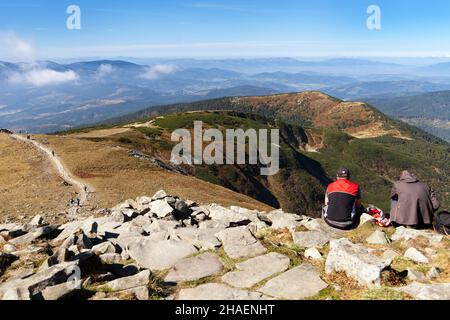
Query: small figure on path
point(78, 202)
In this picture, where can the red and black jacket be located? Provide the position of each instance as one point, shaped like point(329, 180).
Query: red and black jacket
point(342, 196)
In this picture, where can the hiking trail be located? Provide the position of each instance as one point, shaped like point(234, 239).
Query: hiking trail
point(82, 189)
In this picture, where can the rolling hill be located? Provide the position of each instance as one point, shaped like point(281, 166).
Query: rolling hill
point(319, 135)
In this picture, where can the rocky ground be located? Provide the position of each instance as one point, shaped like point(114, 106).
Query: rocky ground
point(163, 247)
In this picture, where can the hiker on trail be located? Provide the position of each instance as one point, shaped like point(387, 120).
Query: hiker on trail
point(78, 202)
point(53, 153)
point(343, 204)
point(413, 202)
point(85, 189)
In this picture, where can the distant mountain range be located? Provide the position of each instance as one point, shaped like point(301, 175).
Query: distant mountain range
point(47, 96)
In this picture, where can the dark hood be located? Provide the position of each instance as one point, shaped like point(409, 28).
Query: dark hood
point(408, 177)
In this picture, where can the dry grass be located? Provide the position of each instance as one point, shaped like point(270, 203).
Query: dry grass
point(30, 186)
point(28, 182)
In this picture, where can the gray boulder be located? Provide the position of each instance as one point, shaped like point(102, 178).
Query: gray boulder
point(356, 261)
point(227, 216)
point(159, 255)
point(378, 238)
point(41, 280)
point(298, 283)
point(415, 255)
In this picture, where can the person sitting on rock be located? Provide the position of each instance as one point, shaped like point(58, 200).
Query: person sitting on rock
point(413, 202)
point(343, 202)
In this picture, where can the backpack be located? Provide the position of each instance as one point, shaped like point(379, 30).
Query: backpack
point(441, 223)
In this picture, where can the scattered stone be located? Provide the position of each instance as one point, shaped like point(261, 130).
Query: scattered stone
point(41, 280)
point(159, 255)
point(61, 291)
point(414, 275)
point(138, 280)
point(356, 261)
point(253, 271)
point(240, 243)
point(218, 292)
point(299, 283)
point(161, 208)
point(36, 221)
point(435, 291)
point(365, 218)
point(416, 256)
point(159, 195)
point(310, 239)
point(313, 253)
point(105, 247)
point(434, 273)
point(378, 238)
point(110, 258)
point(406, 234)
point(195, 268)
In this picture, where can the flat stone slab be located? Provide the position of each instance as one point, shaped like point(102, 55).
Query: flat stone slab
point(159, 255)
point(204, 239)
point(356, 261)
point(253, 271)
point(218, 292)
point(435, 291)
point(299, 283)
point(310, 239)
point(240, 243)
point(195, 268)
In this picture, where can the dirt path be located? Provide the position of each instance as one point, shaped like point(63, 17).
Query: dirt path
point(82, 189)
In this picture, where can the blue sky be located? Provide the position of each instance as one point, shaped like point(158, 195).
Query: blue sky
point(226, 28)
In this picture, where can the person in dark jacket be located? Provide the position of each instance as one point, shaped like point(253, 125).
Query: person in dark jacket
point(413, 202)
point(343, 202)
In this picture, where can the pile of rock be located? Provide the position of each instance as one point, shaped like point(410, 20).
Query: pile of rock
point(119, 255)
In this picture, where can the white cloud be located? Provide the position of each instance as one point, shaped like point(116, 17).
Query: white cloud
point(16, 48)
point(155, 71)
point(43, 77)
point(103, 71)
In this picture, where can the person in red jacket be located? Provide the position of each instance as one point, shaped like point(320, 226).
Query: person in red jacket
point(343, 202)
